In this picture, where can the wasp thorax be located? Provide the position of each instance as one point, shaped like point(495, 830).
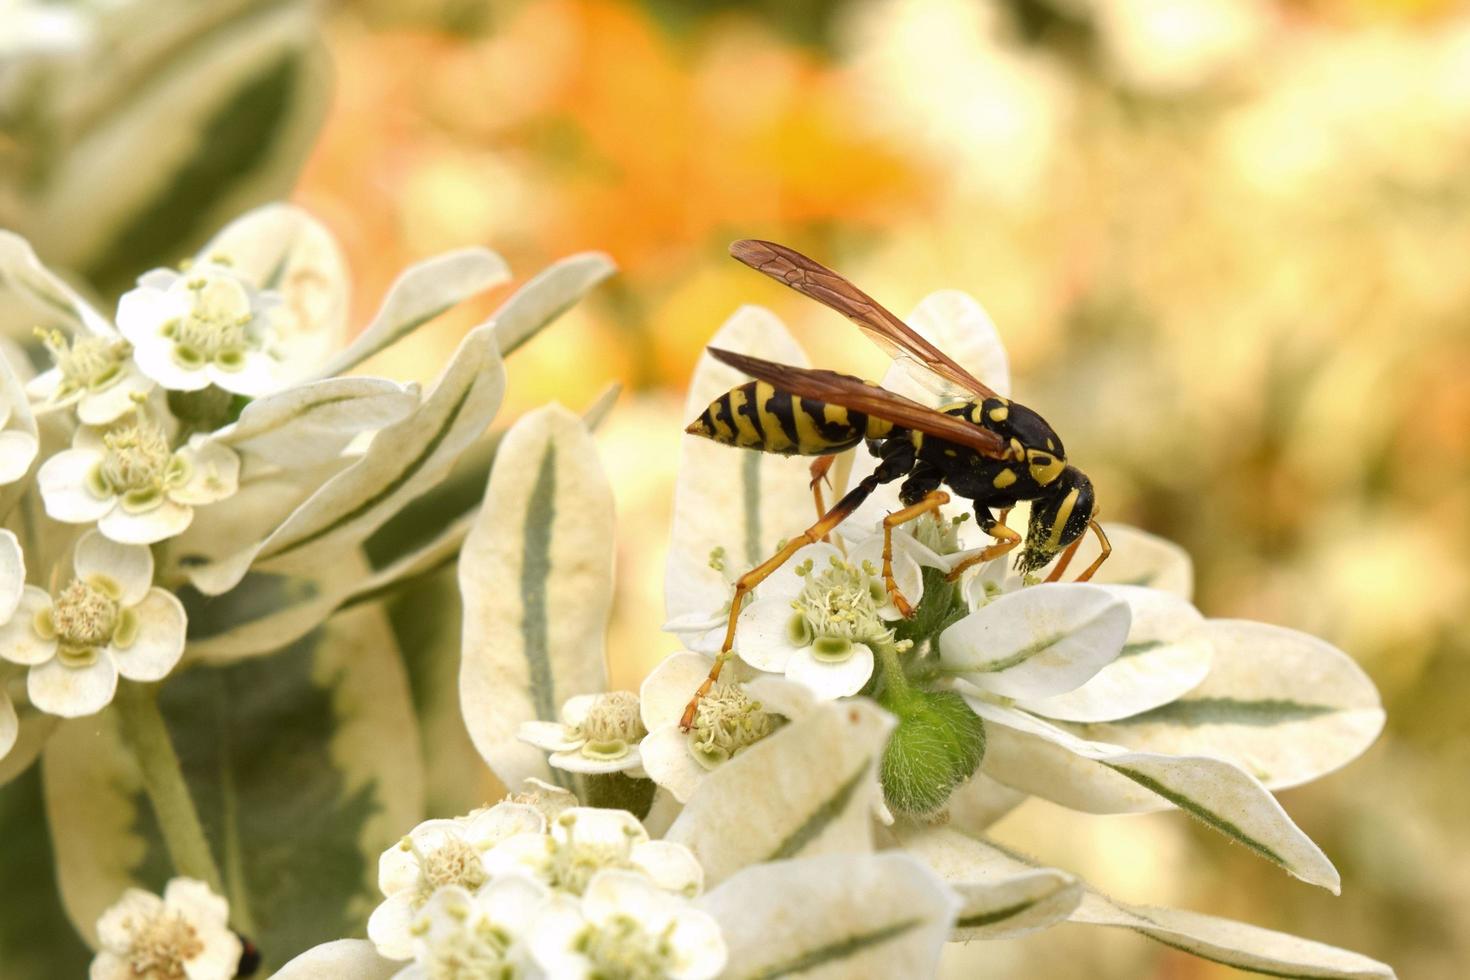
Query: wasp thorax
point(726, 721)
point(162, 944)
point(454, 862)
point(86, 363)
point(216, 327)
point(839, 603)
point(620, 947)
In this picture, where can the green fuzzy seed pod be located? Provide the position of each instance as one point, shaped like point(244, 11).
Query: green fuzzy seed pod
point(937, 745)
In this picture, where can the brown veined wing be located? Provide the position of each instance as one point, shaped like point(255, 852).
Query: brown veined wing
point(858, 395)
point(927, 364)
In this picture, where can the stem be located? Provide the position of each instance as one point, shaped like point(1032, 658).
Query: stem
point(183, 835)
point(895, 690)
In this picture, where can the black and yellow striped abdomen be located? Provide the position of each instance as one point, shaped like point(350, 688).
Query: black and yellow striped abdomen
point(757, 416)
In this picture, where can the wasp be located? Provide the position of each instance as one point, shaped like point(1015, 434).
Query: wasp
point(989, 450)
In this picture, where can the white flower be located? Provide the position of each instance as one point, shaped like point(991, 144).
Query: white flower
point(94, 372)
point(205, 326)
point(625, 927)
point(598, 733)
point(814, 619)
point(461, 935)
point(548, 800)
point(585, 840)
point(436, 854)
point(128, 479)
point(730, 718)
point(106, 621)
point(12, 587)
point(19, 441)
point(185, 933)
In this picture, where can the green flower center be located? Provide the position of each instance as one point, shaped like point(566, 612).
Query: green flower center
point(137, 465)
point(573, 862)
point(85, 616)
point(217, 327)
point(162, 945)
point(86, 363)
point(726, 721)
point(620, 949)
point(612, 726)
point(455, 862)
point(841, 601)
point(479, 951)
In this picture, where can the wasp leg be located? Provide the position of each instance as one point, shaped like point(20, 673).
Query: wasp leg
point(1107, 549)
point(931, 503)
point(1005, 540)
point(819, 469)
point(1063, 562)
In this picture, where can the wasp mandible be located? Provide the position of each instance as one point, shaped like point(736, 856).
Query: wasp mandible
point(987, 449)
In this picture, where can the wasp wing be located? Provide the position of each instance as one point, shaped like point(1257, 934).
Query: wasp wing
point(930, 366)
point(858, 395)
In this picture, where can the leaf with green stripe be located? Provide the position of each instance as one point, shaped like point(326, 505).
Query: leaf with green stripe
point(548, 295)
point(808, 789)
point(312, 423)
point(731, 502)
point(837, 915)
point(1166, 653)
point(535, 576)
point(1001, 896)
point(339, 960)
point(979, 802)
point(1237, 944)
point(404, 460)
point(32, 296)
point(1037, 642)
point(304, 767)
point(1043, 759)
point(1140, 558)
point(1284, 706)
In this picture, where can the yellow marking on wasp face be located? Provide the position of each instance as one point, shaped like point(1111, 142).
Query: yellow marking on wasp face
point(748, 436)
point(878, 428)
point(1004, 478)
point(977, 413)
point(999, 414)
point(1044, 467)
point(776, 440)
point(1064, 512)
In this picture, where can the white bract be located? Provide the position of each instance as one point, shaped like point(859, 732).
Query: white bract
point(94, 372)
point(584, 840)
point(598, 733)
point(185, 933)
point(207, 325)
point(461, 934)
point(132, 483)
point(626, 927)
point(434, 855)
point(105, 621)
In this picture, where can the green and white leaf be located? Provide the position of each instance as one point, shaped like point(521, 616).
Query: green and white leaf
point(808, 789)
point(1001, 896)
point(1037, 642)
point(979, 802)
point(738, 502)
point(1166, 653)
point(419, 294)
point(20, 440)
point(1140, 558)
point(313, 422)
point(1043, 759)
point(32, 729)
point(552, 292)
point(1284, 706)
point(535, 576)
point(32, 296)
point(838, 915)
point(318, 740)
point(1245, 947)
point(341, 959)
point(404, 460)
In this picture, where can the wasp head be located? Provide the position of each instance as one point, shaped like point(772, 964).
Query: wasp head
point(1057, 519)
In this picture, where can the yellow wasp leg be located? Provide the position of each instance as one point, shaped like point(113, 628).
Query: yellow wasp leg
point(1090, 570)
point(931, 502)
point(819, 468)
point(1005, 540)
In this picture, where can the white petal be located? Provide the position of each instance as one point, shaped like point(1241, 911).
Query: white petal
point(255, 377)
point(1038, 642)
point(214, 473)
point(616, 830)
point(512, 902)
point(832, 680)
point(701, 632)
point(575, 761)
point(1140, 558)
point(785, 584)
point(907, 574)
point(164, 521)
point(668, 687)
point(552, 937)
point(17, 452)
point(12, 574)
point(521, 854)
point(160, 642)
point(488, 827)
point(342, 958)
point(576, 709)
point(763, 634)
point(19, 642)
point(63, 483)
point(120, 923)
point(72, 692)
point(552, 736)
point(44, 385)
point(116, 400)
point(197, 902)
point(388, 926)
point(129, 565)
point(670, 866)
point(781, 696)
point(614, 893)
point(9, 725)
point(220, 956)
point(698, 946)
point(142, 312)
point(155, 358)
point(668, 761)
point(398, 869)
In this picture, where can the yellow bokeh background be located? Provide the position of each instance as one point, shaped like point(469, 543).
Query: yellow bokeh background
point(1225, 240)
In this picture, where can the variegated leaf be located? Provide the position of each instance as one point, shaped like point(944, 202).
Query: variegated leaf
point(342, 959)
point(312, 423)
point(1001, 896)
point(535, 575)
point(840, 915)
point(552, 292)
point(27, 738)
point(1037, 642)
point(1045, 760)
point(808, 789)
point(319, 739)
point(33, 296)
point(1237, 944)
point(979, 802)
point(732, 502)
point(1284, 706)
point(419, 294)
point(1166, 653)
point(1139, 558)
